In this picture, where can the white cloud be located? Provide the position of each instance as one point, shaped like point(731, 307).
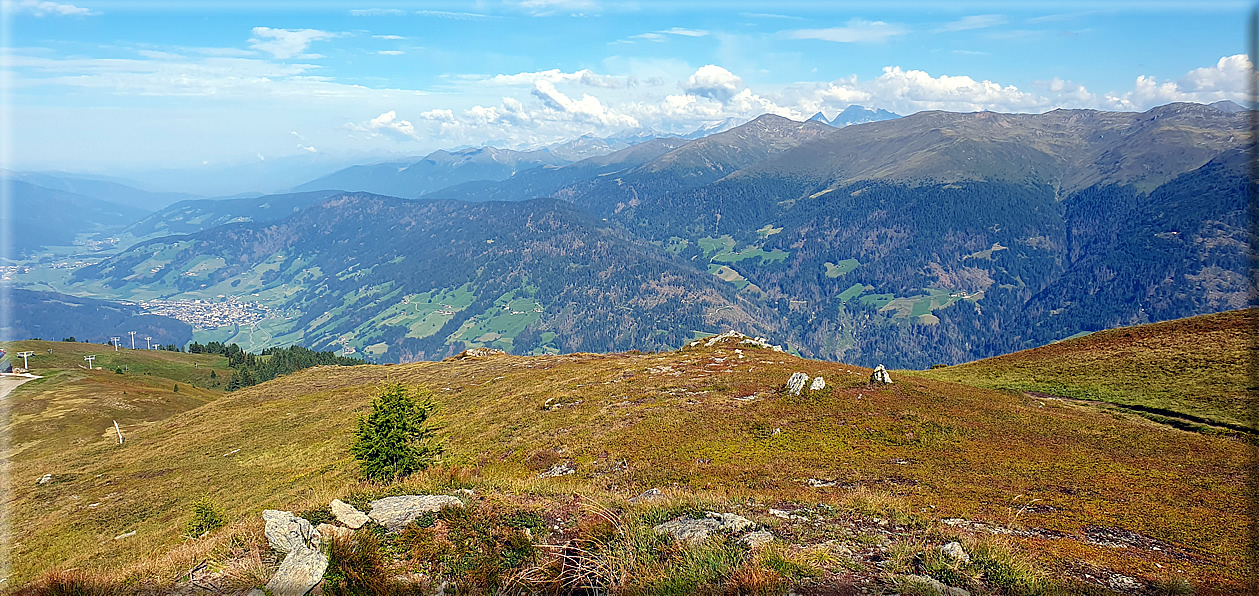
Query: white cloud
point(1069, 94)
point(1228, 79)
point(389, 37)
point(587, 108)
point(41, 8)
point(458, 16)
point(918, 89)
point(649, 36)
point(659, 36)
point(377, 12)
point(582, 77)
point(854, 31)
point(686, 32)
point(287, 43)
point(388, 125)
point(714, 82)
point(390, 52)
point(982, 21)
point(550, 7)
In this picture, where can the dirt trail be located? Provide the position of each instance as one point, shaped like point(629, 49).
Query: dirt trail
point(8, 384)
point(1136, 409)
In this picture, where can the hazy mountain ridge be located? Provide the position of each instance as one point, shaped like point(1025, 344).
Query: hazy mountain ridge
point(42, 216)
point(434, 171)
point(187, 217)
point(1067, 149)
point(944, 237)
point(602, 291)
point(53, 316)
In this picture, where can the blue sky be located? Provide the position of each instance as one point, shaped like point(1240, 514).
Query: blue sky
point(94, 86)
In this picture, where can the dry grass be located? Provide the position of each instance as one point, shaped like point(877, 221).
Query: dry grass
point(910, 453)
point(1198, 367)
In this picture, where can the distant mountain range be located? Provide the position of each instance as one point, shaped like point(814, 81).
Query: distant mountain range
point(855, 114)
point(933, 238)
point(435, 171)
point(39, 217)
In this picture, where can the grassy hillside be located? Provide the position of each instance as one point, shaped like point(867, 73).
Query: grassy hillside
point(1199, 368)
point(71, 406)
point(709, 425)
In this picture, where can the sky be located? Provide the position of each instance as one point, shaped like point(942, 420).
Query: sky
point(104, 86)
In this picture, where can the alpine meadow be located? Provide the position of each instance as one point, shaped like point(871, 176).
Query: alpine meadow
point(575, 297)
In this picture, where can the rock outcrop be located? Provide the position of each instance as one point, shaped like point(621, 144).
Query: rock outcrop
point(287, 532)
point(394, 513)
point(796, 383)
point(880, 376)
point(347, 514)
point(938, 587)
point(305, 563)
point(818, 384)
point(695, 531)
point(955, 551)
point(300, 571)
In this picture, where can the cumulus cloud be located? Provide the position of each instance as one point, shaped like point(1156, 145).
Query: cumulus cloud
point(918, 89)
point(1069, 94)
point(587, 108)
point(582, 77)
point(854, 31)
point(287, 43)
point(388, 125)
point(981, 21)
point(713, 82)
point(41, 8)
point(1228, 79)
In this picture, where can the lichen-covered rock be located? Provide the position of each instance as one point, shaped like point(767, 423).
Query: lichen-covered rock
point(796, 383)
point(955, 551)
point(648, 496)
point(328, 531)
point(940, 588)
point(287, 532)
point(880, 376)
point(694, 530)
point(757, 539)
point(817, 385)
point(560, 469)
point(394, 513)
point(300, 571)
point(736, 338)
point(347, 514)
point(479, 353)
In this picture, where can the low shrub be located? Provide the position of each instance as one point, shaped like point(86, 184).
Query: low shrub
point(206, 517)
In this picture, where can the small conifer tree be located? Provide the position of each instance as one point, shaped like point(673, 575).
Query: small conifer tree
point(395, 440)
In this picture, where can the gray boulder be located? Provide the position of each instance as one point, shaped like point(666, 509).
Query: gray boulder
point(955, 551)
point(940, 588)
point(694, 530)
point(796, 383)
point(287, 532)
point(817, 385)
point(396, 512)
point(648, 496)
point(757, 539)
point(880, 376)
point(560, 469)
point(300, 571)
point(347, 514)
